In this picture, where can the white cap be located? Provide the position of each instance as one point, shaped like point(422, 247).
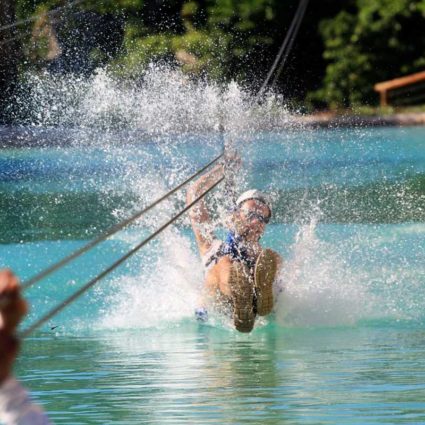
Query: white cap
point(256, 195)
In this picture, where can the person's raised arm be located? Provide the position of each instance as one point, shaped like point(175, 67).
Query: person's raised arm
point(199, 215)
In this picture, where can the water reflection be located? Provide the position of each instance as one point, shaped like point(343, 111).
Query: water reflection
point(210, 375)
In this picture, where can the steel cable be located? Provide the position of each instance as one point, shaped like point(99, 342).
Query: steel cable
point(285, 47)
point(112, 230)
point(35, 17)
point(117, 263)
point(24, 32)
point(291, 42)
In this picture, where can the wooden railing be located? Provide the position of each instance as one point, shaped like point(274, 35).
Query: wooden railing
point(404, 90)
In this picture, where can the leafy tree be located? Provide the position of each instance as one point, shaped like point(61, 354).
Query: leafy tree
point(377, 40)
point(342, 49)
point(215, 38)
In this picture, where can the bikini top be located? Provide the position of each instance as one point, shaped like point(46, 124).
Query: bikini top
point(233, 247)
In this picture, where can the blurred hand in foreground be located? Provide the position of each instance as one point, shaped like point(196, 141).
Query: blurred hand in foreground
point(12, 309)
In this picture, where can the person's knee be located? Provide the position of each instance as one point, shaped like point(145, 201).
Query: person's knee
point(277, 257)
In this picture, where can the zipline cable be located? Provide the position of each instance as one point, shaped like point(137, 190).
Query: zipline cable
point(291, 42)
point(15, 38)
point(229, 183)
point(112, 230)
point(25, 31)
point(35, 17)
point(285, 47)
point(117, 263)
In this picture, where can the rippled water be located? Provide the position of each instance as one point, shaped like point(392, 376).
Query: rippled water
point(196, 374)
point(346, 342)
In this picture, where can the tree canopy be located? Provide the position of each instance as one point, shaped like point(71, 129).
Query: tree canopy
point(343, 47)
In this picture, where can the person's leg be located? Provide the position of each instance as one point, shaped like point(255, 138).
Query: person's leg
point(265, 272)
point(241, 285)
point(234, 284)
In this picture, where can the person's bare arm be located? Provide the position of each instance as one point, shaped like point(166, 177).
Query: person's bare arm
point(16, 406)
point(199, 215)
point(12, 310)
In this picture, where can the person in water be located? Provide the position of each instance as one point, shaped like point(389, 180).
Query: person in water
point(16, 407)
point(239, 272)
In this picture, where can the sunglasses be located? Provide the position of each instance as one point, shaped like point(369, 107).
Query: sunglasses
point(252, 215)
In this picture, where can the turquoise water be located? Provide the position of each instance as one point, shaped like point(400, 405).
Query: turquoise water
point(346, 343)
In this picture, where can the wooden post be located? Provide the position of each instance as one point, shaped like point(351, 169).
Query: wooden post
point(383, 94)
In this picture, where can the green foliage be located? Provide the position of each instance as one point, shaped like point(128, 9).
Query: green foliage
point(111, 6)
point(342, 50)
point(218, 37)
point(379, 40)
point(139, 52)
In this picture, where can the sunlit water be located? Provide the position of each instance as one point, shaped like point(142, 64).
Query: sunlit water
point(346, 342)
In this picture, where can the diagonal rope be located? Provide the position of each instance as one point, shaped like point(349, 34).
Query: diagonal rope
point(25, 32)
point(285, 46)
point(290, 44)
point(112, 230)
point(35, 17)
point(117, 263)
point(17, 37)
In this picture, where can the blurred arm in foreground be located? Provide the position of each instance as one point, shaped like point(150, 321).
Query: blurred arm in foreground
point(16, 408)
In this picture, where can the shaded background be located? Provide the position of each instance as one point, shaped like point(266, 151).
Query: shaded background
point(343, 47)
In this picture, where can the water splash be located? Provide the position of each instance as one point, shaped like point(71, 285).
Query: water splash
point(133, 141)
point(162, 293)
point(317, 288)
point(164, 101)
point(372, 275)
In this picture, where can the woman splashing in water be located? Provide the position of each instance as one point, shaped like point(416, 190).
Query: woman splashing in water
point(238, 272)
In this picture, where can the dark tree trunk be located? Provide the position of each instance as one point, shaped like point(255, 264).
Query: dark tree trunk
point(9, 54)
